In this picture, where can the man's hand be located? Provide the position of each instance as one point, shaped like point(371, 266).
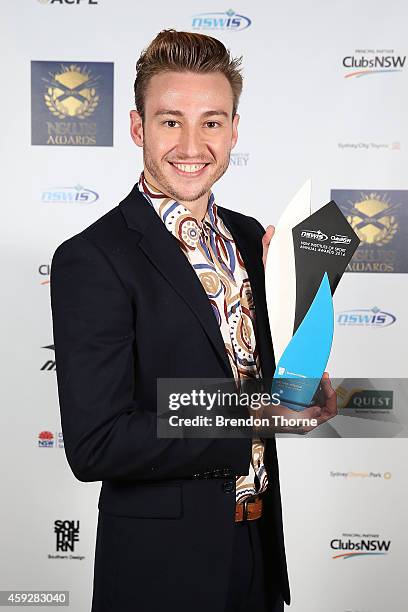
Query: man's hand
point(267, 237)
point(320, 413)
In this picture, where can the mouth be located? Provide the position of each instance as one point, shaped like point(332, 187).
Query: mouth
point(191, 169)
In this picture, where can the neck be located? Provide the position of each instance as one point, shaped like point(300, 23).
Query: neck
point(198, 207)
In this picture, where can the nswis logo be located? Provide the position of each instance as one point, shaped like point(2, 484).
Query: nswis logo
point(229, 20)
point(363, 317)
point(69, 195)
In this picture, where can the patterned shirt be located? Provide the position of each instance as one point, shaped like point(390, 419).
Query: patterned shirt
point(211, 250)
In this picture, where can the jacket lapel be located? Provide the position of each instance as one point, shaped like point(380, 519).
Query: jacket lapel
point(163, 251)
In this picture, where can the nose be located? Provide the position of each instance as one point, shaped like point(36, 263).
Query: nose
point(190, 143)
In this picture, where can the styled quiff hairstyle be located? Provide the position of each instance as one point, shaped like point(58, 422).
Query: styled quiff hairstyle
point(182, 52)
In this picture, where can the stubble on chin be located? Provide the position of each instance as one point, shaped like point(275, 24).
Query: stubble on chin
point(171, 190)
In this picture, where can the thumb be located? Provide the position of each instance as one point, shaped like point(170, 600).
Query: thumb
point(267, 237)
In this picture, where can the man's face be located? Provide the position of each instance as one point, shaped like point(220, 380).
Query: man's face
point(188, 132)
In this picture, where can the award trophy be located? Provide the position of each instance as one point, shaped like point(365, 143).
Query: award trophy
point(307, 257)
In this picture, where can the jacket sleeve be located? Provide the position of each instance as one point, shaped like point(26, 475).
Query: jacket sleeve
point(259, 226)
point(107, 434)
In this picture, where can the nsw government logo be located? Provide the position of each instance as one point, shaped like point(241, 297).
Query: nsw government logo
point(72, 104)
point(380, 220)
point(229, 21)
point(49, 439)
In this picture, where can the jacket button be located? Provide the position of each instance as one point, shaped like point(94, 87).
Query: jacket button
point(228, 486)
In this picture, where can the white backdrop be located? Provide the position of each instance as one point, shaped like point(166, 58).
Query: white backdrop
point(303, 113)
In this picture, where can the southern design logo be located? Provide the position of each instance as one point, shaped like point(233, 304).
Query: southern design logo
point(72, 104)
point(380, 220)
point(66, 538)
point(366, 317)
point(49, 439)
point(70, 195)
point(365, 62)
point(358, 545)
point(228, 20)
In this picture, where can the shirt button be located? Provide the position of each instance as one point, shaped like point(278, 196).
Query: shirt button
point(228, 486)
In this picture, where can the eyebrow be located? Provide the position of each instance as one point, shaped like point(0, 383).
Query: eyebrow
point(178, 113)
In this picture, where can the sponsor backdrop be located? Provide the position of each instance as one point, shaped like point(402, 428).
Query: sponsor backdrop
point(325, 97)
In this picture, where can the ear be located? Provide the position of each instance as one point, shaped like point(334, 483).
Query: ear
point(136, 128)
point(234, 138)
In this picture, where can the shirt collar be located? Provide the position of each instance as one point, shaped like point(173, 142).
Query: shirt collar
point(162, 203)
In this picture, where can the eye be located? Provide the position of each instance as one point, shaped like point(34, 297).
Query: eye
point(212, 124)
point(170, 123)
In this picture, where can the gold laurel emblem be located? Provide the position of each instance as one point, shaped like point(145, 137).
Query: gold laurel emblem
point(372, 219)
point(71, 92)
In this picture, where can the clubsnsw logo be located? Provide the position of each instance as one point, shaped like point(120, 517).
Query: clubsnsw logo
point(228, 20)
point(338, 239)
point(366, 317)
point(44, 272)
point(372, 61)
point(357, 545)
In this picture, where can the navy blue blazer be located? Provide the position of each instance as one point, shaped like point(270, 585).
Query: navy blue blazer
point(127, 308)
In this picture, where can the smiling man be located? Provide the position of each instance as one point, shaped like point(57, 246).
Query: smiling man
point(171, 285)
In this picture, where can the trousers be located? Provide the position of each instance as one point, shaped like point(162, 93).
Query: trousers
point(246, 588)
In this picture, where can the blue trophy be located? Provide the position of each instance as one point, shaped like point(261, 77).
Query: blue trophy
point(306, 260)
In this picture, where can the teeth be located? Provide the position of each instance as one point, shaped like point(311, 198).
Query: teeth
point(189, 167)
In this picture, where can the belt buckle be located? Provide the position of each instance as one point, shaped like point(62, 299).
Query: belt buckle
point(245, 509)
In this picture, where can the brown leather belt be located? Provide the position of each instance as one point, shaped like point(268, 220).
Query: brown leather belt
point(248, 510)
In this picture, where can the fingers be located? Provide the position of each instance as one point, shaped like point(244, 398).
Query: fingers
point(269, 232)
point(330, 408)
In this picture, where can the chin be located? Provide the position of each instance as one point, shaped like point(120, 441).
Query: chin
point(191, 194)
